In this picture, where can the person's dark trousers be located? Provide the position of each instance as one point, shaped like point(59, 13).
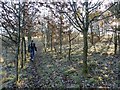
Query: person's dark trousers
point(32, 54)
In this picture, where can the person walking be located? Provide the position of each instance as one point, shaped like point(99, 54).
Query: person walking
point(32, 48)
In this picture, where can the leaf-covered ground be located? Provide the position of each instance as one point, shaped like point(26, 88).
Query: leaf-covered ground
point(53, 70)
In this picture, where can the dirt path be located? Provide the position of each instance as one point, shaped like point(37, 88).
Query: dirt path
point(33, 79)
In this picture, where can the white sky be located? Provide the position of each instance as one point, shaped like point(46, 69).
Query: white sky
point(93, 1)
point(106, 1)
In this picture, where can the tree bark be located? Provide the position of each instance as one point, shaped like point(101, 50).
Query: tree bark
point(51, 42)
point(60, 33)
point(45, 42)
point(115, 42)
point(119, 42)
point(17, 58)
point(25, 52)
point(69, 46)
point(22, 54)
point(18, 47)
point(85, 51)
point(85, 35)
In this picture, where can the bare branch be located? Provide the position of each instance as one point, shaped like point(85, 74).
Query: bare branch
point(73, 23)
point(101, 13)
point(74, 37)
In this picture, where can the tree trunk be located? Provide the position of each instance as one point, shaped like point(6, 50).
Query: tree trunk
point(45, 42)
point(22, 54)
point(85, 51)
point(60, 33)
point(18, 47)
point(25, 52)
point(85, 31)
point(60, 41)
point(119, 63)
point(115, 42)
point(51, 42)
point(23, 39)
point(17, 58)
point(119, 42)
point(69, 46)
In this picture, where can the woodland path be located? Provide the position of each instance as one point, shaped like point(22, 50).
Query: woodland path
point(48, 71)
point(33, 80)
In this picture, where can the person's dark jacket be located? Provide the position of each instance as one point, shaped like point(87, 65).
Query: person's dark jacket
point(32, 46)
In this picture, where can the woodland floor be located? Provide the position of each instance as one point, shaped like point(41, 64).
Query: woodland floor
point(50, 70)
